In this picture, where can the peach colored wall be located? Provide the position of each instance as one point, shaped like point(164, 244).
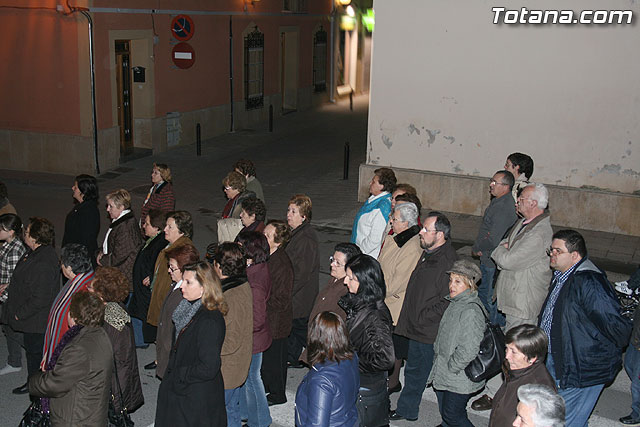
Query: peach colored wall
point(39, 73)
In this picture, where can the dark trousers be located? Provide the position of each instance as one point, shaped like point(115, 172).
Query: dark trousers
point(453, 408)
point(297, 338)
point(274, 369)
point(33, 344)
point(14, 346)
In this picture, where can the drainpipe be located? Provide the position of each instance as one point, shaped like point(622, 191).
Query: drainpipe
point(333, 56)
point(231, 68)
point(93, 91)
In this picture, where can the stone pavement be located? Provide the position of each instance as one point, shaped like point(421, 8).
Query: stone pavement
point(302, 155)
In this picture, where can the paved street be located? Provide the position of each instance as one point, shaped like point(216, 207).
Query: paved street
point(302, 155)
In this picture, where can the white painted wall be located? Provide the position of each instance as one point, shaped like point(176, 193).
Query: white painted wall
point(452, 92)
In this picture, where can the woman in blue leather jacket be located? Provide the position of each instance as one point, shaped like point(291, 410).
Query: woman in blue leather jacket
point(327, 394)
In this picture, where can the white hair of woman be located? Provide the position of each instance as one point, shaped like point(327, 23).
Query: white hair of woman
point(547, 405)
point(408, 212)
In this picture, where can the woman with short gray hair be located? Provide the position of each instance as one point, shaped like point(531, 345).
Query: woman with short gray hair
point(539, 406)
point(398, 257)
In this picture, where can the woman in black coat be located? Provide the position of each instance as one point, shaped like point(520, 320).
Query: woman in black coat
point(192, 391)
point(369, 323)
point(143, 269)
point(82, 224)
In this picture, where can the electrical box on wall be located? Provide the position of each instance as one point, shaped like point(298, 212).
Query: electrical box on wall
point(138, 74)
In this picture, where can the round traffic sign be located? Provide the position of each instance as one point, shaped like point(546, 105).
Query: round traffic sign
point(183, 55)
point(182, 27)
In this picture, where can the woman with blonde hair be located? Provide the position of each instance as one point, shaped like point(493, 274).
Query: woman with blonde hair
point(160, 194)
point(192, 390)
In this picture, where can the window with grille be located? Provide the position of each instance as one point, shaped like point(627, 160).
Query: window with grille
point(320, 61)
point(296, 6)
point(254, 69)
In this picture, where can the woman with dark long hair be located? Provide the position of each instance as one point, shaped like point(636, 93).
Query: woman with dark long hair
point(327, 394)
point(369, 323)
point(82, 224)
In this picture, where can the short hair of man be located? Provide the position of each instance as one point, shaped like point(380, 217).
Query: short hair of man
point(410, 198)
point(573, 241)
point(183, 254)
point(164, 170)
point(255, 206)
point(387, 178)
point(183, 222)
point(328, 339)
point(529, 339)
point(245, 166)
point(157, 218)
point(303, 202)
point(442, 223)
point(111, 284)
point(408, 212)
point(348, 249)
point(548, 406)
point(255, 245)
point(370, 277)
point(282, 231)
point(212, 296)
point(87, 309)
point(524, 163)
point(88, 186)
point(120, 198)
point(236, 181)
point(11, 221)
point(42, 231)
point(406, 188)
point(231, 258)
point(76, 257)
point(507, 178)
point(540, 194)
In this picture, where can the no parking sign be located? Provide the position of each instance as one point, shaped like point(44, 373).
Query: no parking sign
point(182, 27)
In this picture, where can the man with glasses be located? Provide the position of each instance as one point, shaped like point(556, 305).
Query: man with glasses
point(423, 307)
point(497, 219)
point(587, 333)
point(523, 281)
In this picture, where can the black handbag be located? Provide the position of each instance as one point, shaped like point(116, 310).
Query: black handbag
point(118, 418)
point(489, 360)
point(35, 416)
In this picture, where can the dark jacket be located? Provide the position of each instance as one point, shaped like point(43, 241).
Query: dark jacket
point(424, 302)
point(279, 306)
point(34, 285)
point(123, 244)
point(82, 225)
point(327, 395)
point(503, 408)
point(192, 391)
point(78, 385)
point(162, 199)
point(369, 326)
point(117, 325)
point(498, 217)
point(260, 282)
point(328, 297)
point(144, 267)
point(305, 257)
point(164, 337)
point(588, 333)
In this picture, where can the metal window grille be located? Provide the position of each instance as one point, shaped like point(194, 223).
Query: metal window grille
point(295, 6)
point(254, 69)
point(320, 61)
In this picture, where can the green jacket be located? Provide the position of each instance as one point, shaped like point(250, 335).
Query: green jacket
point(458, 343)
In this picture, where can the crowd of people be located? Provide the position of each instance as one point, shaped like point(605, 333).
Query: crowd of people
point(227, 326)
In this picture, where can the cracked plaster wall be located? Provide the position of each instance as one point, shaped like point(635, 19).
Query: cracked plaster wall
point(453, 93)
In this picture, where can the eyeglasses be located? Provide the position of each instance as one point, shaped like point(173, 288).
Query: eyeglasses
point(228, 188)
point(494, 182)
point(173, 269)
point(426, 230)
point(555, 251)
point(332, 260)
point(520, 199)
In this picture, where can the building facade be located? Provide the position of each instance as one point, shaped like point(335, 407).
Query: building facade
point(456, 87)
point(160, 67)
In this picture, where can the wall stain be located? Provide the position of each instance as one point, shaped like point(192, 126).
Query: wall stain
point(574, 170)
point(413, 129)
point(451, 139)
point(386, 141)
point(432, 135)
point(631, 172)
point(458, 169)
